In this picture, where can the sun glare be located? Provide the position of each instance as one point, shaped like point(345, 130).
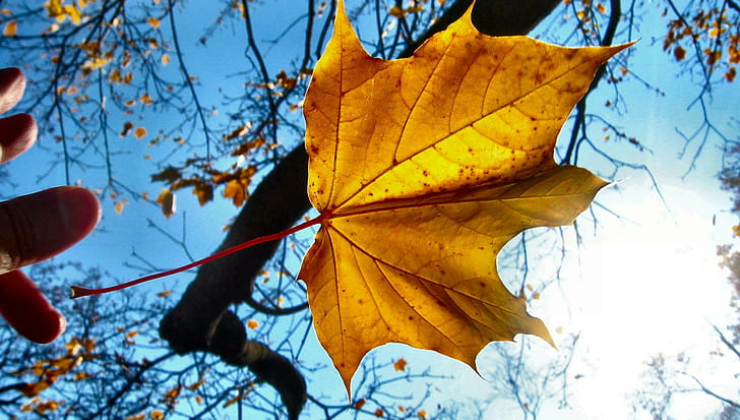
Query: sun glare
point(649, 288)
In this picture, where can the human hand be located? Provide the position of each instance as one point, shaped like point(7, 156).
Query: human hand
point(34, 227)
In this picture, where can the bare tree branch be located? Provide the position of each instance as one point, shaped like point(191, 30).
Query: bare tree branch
point(727, 342)
point(714, 394)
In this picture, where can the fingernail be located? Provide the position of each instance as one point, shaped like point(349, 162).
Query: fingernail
point(17, 134)
point(12, 85)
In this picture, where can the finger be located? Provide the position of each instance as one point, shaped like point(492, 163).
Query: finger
point(38, 226)
point(12, 85)
point(17, 134)
point(26, 309)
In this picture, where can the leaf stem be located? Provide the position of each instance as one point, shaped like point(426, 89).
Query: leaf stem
point(78, 291)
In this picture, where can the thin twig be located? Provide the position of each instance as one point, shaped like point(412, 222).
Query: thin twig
point(188, 79)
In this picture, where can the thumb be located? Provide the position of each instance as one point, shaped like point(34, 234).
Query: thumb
point(38, 226)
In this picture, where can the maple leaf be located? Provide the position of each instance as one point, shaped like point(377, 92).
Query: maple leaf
point(168, 201)
point(422, 169)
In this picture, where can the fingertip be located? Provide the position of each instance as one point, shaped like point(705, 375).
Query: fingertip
point(39, 226)
point(17, 134)
point(10, 72)
point(48, 326)
point(26, 309)
point(55, 325)
point(80, 209)
point(12, 85)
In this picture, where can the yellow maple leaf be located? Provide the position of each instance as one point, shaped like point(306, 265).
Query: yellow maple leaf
point(73, 13)
point(55, 9)
point(11, 28)
point(146, 99)
point(236, 191)
point(81, 376)
point(140, 132)
point(95, 63)
point(422, 169)
point(153, 22)
point(204, 192)
point(400, 365)
point(168, 201)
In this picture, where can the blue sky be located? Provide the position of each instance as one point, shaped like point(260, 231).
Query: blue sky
point(646, 281)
